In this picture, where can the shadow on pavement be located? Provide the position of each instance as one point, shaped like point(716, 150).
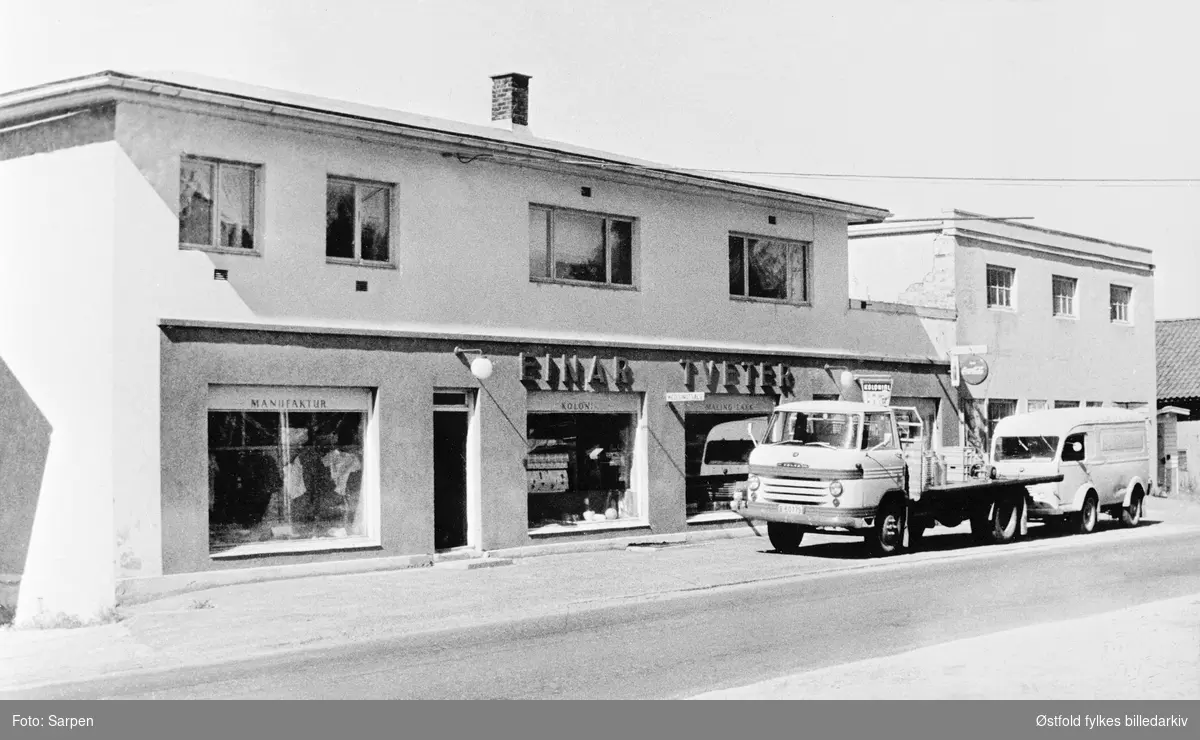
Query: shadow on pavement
point(852, 548)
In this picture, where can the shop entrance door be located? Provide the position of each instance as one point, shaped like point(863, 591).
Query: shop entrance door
point(451, 420)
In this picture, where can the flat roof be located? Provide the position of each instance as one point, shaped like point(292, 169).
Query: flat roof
point(187, 86)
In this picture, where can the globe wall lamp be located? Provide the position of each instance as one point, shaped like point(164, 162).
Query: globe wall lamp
point(845, 378)
point(481, 367)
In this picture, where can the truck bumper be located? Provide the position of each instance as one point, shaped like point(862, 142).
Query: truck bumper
point(811, 517)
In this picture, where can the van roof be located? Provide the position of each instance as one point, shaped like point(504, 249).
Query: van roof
point(735, 429)
point(836, 407)
point(1060, 421)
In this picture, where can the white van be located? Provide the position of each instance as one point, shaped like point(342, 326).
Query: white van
point(1103, 454)
point(728, 445)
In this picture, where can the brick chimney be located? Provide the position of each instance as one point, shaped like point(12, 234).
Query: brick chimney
point(510, 101)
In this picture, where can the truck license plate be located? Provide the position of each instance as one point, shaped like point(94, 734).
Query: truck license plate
point(791, 508)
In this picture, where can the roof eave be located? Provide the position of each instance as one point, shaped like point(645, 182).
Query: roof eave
point(54, 97)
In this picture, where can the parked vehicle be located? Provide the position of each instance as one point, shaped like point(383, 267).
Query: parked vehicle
point(843, 468)
point(724, 464)
point(728, 446)
point(1103, 455)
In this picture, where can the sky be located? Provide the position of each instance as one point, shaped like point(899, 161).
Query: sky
point(880, 90)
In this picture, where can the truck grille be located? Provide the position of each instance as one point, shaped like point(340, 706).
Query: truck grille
point(794, 491)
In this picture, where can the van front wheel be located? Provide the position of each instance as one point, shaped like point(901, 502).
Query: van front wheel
point(1085, 520)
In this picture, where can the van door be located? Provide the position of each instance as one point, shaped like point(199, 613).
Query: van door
point(1074, 467)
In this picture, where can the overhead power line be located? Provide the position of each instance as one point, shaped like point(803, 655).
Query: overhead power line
point(949, 178)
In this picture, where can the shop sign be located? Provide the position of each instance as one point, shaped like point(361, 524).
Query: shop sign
point(732, 405)
point(684, 397)
point(737, 377)
point(974, 369)
point(574, 373)
point(579, 402)
point(876, 391)
point(275, 398)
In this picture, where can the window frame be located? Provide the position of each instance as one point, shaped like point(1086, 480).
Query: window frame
point(608, 283)
point(1127, 305)
point(357, 260)
point(227, 398)
point(806, 248)
point(256, 192)
point(1055, 281)
point(1010, 289)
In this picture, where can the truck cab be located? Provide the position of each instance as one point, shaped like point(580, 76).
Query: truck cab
point(834, 466)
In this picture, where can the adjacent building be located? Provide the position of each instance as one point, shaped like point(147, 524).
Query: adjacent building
point(250, 328)
point(1178, 406)
point(1043, 318)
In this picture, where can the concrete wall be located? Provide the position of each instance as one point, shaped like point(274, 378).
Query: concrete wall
point(461, 244)
point(58, 343)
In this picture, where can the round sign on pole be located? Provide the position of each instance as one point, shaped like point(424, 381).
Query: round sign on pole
point(973, 369)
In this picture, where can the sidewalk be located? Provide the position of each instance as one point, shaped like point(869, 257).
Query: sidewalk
point(244, 621)
point(1147, 652)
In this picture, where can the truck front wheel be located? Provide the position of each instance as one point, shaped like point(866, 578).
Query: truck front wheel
point(784, 537)
point(887, 537)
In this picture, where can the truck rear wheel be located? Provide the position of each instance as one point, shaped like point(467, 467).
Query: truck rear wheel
point(1006, 516)
point(784, 537)
point(887, 537)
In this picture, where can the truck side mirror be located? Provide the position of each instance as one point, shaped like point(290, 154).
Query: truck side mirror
point(750, 433)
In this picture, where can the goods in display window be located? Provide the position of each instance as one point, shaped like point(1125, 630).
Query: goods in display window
point(284, 476)
point(578, 468)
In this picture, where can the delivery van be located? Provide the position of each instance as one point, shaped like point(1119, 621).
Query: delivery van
point(1103, 454)
point(728, 445)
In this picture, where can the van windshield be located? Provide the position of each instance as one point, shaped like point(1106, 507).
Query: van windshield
point(1026, 448)
point(728, 452)
point(839, 431)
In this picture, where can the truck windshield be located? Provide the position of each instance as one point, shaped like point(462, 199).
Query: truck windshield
point(1026, 448)
point(727, 452)
point(839, 431)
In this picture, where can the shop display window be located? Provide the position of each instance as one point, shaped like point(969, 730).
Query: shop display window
point(284, 476)
point(717, 458)
point(578, 468)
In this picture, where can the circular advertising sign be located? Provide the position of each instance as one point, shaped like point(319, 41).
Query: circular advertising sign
point(974, 369)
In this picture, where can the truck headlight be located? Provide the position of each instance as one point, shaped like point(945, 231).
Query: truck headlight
point(835, 488)
point(753, 483)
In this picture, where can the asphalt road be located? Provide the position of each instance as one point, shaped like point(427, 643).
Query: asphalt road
point(718, 639)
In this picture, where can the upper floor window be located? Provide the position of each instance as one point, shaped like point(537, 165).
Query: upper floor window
point(1063, 289)
point(1118, 303)
point(358, 221)
point(1000, 286)
point(768, 269)
point(997, 409)
point(216, 204)
point(580, 247)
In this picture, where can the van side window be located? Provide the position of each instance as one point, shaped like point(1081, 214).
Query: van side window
point(1070, 454)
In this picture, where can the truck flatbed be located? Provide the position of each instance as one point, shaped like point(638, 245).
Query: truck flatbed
point(982, 483)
